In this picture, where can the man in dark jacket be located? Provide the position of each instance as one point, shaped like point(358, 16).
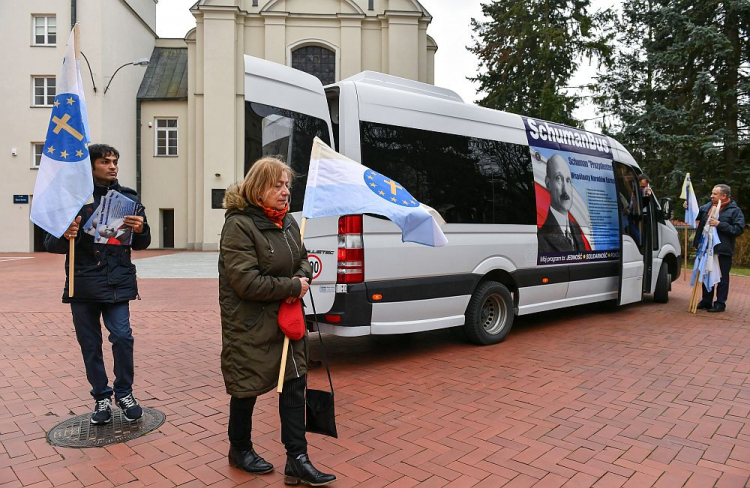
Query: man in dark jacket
point(104, 284)
point(729, 225)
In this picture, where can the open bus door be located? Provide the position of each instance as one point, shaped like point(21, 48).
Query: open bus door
point(634, 261)
point(651, 242)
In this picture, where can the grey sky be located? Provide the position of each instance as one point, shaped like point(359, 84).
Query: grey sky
point(450, 28)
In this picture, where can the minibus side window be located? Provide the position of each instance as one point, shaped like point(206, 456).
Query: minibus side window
point(467, 179)
point(272, 131)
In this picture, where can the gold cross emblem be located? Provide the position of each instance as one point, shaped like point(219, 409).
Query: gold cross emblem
point(62, 124)
point(393, 185)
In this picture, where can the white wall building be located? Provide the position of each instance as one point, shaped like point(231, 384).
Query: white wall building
point(36, 32)
point(179, 125)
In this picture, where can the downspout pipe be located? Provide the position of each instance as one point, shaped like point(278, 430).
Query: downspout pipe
point(138, 148)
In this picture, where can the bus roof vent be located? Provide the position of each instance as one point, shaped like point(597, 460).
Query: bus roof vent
point(396, 83)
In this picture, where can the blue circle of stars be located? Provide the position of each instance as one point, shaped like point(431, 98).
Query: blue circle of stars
point(389, 189)
point(66, 140)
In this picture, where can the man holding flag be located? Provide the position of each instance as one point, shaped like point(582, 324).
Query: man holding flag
point(729, 225)
point(70, 171)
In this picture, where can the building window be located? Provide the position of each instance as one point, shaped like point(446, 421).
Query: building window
point(255, 3)
point(36, 150)
point(166, 137)
point(45, 30)
point(316, 60)
point(44, 91)
point(371, 5)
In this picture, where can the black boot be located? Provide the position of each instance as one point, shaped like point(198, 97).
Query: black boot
point(300, 470)
point(248, 461)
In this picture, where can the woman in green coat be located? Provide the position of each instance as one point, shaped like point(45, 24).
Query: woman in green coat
point(262, 262)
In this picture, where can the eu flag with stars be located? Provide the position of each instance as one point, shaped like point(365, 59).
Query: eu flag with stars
point(64, 182)
point(336, 185)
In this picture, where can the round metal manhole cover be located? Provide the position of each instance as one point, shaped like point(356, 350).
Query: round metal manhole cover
point(80, 432)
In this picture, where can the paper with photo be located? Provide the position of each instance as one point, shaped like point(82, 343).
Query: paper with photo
point(107, 223)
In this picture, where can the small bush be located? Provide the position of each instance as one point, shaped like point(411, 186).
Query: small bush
point(741, 256)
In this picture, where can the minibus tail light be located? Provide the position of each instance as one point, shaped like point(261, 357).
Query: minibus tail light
point(351, 252)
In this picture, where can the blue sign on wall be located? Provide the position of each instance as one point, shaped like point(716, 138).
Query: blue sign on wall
point(20, 199)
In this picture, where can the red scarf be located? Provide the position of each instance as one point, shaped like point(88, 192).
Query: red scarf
point(276, 216)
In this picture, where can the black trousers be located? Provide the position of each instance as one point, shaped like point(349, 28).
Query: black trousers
point(291, 413)
point(722, 288)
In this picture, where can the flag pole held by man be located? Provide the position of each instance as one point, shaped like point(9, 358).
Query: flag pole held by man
point(64, 182)
point(336, 185)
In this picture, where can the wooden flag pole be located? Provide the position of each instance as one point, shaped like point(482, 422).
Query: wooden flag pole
point(693, 305)
point(684, 276)
point(72, 242)
point(71, 266)
point(285, 350)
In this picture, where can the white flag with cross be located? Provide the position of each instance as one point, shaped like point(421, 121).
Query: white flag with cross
point(64, 182)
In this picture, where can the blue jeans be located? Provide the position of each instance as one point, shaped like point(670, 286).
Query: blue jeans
point(89, 334)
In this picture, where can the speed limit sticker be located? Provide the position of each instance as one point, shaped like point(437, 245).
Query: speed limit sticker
point(317, 265)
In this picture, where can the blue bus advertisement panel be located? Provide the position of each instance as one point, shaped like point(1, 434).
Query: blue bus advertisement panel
point(576, 198)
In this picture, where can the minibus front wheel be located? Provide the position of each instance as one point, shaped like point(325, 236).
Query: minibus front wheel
point(489, 315)
point(663, 284)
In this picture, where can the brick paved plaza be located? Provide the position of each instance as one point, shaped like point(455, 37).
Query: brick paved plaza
point(644, 395)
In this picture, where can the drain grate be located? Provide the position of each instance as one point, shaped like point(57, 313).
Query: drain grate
point(79, 432)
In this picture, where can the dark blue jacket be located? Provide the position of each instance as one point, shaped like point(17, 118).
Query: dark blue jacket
point(103, 272)
point(731, 225)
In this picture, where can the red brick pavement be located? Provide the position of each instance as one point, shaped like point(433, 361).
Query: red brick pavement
point(643, 395)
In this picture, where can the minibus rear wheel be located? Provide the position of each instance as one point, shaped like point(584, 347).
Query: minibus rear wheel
point(489, 315)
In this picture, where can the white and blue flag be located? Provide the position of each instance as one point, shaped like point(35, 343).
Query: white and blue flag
point(706, 267)
point(64, 182)
point(336, 185)
point(688, 194)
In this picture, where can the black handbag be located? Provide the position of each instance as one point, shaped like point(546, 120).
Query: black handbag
point(320, 412)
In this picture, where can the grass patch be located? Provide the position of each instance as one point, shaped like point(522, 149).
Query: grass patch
point(733, 271)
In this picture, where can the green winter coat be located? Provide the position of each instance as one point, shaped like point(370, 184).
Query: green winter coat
point(257, 260)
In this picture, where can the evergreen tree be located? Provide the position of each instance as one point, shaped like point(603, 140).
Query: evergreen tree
point(528, 51)
point(679, 91)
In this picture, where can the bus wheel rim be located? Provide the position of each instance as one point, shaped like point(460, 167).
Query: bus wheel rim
point(493, 314)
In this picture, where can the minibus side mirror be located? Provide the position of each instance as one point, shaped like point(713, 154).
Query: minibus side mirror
point(666, 208)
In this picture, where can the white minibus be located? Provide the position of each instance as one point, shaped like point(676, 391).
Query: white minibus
point(539, 216)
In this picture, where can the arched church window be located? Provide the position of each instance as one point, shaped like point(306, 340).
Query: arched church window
point(316, 60)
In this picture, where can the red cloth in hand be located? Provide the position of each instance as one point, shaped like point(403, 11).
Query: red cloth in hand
point(291, 320)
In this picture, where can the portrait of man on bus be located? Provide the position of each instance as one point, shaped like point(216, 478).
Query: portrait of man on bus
point(560, 232)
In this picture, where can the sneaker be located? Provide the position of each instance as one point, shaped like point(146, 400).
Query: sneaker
point(131, 410)
point(102, 412)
